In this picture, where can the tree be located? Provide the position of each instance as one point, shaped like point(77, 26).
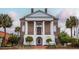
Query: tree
point(5, 22)
point(13, 39)
point(49, 40)
point(29, 39)
point(64, 38)
point(17, 29)
point(71, 22)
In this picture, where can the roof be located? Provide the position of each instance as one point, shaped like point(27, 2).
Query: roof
point(2, 34)
point(39, 14)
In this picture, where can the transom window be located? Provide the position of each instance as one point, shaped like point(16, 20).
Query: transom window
point(39, 23)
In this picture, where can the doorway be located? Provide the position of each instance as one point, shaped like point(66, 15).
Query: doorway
point(39, 41)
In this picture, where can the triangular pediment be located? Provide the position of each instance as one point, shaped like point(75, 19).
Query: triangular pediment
point(39, 14)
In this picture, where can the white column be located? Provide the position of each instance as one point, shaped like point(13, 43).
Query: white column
point(26, 24)
point(43, 28)
point(51, 27)
point(34, 27)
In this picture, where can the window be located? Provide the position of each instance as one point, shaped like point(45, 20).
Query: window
point(38, 23)
point(39, 31)
point(39, 27)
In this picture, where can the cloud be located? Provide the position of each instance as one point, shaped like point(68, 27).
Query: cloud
point(16, 21)
point(68, 31)
point(66, 13)
point(13, 15)
point(62, 18)
point(9, 30)
point(77, 13)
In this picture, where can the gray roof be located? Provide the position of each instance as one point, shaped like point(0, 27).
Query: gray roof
point(39, 14)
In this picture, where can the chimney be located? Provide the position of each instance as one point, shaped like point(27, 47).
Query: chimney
point(32, 10)
point(45, 10)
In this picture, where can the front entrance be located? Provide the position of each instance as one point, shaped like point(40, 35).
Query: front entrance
point(39, 41)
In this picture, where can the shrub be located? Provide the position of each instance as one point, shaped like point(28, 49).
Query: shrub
point(74, 42)
point(13, 39)
point(29, 39)
point(49, 40)
point(64, 38)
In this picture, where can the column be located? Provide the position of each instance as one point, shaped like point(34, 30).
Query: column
point(26, 27)
point(43, 28)
point(51, 27)
point(34, 27)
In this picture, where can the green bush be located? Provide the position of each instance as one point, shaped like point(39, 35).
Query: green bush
point(75, 42)
point(78, 43)
point(49, 40)
point(64, 38)
point(13, 40)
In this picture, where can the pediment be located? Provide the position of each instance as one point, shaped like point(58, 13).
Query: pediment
point(39, 14)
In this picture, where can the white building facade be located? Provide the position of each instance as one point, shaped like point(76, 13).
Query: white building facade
point(40, 26)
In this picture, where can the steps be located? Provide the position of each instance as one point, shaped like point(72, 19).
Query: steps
point(39, 47)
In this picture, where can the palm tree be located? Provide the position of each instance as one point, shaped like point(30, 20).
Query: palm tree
point(71, 22)
point(49, 40)
point(17, 29)
point(5, 22)
point(29, 39)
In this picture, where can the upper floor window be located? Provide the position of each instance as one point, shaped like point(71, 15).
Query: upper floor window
point(39, 27)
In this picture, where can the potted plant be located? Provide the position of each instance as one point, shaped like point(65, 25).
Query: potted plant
point(48, 42)
point(29, 39)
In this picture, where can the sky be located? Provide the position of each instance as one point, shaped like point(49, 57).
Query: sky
point(61, 13)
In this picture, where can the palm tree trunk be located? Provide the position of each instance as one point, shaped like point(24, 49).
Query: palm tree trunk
point(71, 31)
point(74, 31)
point(5, 33)
point(29, 43)
point(49, 44)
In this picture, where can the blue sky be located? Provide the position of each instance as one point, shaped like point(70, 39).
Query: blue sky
point(24, 11)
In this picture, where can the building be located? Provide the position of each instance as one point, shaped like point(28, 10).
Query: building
point(39, 25)
point(2, 35)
